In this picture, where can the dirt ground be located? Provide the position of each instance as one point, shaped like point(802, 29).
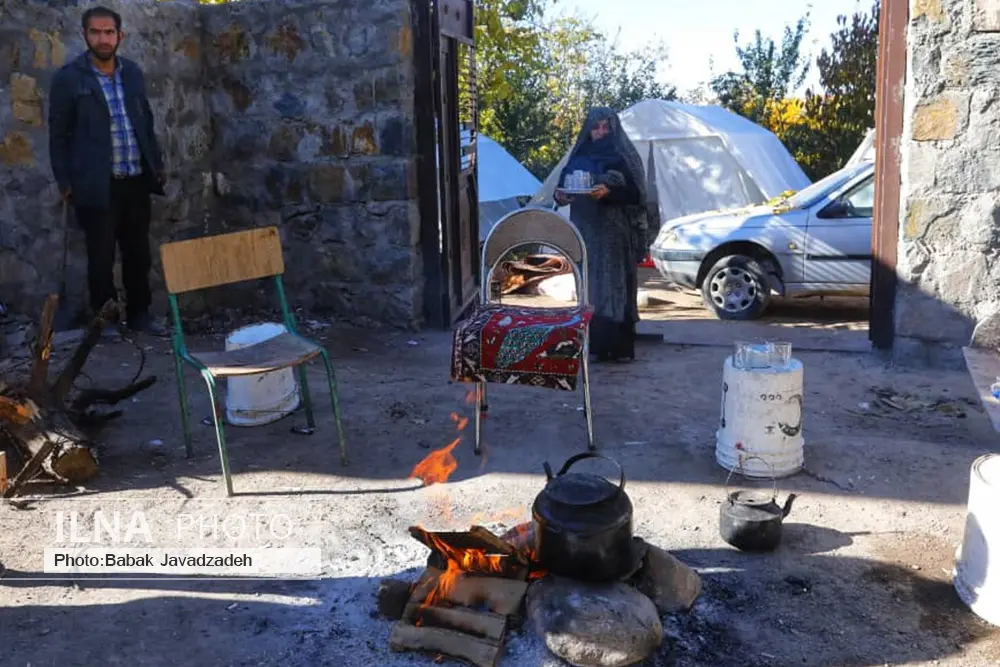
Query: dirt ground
point(863, 577)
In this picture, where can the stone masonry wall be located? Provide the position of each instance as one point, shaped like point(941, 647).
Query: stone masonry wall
point(296, 113)
point(36, 38)
point(312, 104)
point(949, 251)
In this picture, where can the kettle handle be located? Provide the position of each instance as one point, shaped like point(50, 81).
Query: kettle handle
point(592, 455)
point(739, 464)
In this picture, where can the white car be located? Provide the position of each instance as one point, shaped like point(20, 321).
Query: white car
point(816, 242)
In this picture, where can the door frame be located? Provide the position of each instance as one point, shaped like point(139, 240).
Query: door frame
point(889, 94)
point(442, 28)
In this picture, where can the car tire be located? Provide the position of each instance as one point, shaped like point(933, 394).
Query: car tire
point(736, 288)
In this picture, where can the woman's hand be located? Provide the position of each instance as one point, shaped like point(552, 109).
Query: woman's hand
point(600, 191)
point(561, 199)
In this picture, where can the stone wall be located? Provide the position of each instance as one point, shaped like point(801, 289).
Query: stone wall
point(949, 250)
point(312, 104)
point(36, 38)
point(296, 113)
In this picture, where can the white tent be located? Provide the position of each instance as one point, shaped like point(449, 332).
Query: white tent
point(502, 179)
point(701, 158)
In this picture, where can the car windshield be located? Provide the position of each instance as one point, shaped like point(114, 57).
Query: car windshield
point(811, 194)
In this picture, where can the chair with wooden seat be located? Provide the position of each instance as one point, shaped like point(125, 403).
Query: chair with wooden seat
point(543, 347)
point(227, 259)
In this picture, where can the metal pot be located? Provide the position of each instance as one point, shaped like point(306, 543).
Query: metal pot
point(583, 524)
point(751, 523)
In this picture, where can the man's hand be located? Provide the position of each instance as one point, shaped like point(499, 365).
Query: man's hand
point(161, 178)
point(600, 191)
point(67, 195)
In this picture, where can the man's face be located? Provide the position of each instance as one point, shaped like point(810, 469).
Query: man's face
point(102, 37)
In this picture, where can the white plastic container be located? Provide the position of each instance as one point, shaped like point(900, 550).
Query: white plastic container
point(761, 416)
point(254, 400)
point(977, 562)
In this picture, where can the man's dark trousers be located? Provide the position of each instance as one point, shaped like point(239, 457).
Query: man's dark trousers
point(124, 224)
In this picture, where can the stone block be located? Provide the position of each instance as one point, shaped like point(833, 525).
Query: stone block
point(363, 139)
point(922, 213)
point(920, 165)
point(286, 41)
point(284, 142)
point(327, 183)
point(931, 9)
point(942, 118)
point(987, 16)
point(979, 221)
point(984, 59)
point(16, 150)
point(26, 100)
point(396, 136)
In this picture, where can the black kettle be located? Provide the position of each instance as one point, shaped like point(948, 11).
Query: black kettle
point(749, 522)
point(583, 524)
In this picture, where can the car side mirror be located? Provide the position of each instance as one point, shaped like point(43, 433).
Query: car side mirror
point(836, 209)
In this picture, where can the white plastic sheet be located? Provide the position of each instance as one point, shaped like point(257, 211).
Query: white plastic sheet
point(502, 179)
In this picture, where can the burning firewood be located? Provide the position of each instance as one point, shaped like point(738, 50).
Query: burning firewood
point(43, 422)
point(497, 594)
point(474, 650)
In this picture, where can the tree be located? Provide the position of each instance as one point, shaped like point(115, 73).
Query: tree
point(767, 73)
point(843, 113)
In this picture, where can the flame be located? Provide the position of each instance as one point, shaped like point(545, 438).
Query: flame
point(459, 563)
point(438, 466)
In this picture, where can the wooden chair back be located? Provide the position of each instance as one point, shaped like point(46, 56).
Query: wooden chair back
point(222, 259)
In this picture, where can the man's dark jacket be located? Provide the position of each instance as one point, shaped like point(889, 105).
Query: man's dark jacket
point(80, 131)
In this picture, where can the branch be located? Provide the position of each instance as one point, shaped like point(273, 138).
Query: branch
point(43, 349)
point(88, 397)
point(63, 384)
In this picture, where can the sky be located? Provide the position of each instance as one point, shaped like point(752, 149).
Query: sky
point(696, 31)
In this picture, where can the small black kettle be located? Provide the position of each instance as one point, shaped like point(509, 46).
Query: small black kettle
point(749, 522)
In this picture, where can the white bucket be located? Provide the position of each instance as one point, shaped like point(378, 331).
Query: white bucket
point(253, 400)
point(761, 416)
point(975, 581)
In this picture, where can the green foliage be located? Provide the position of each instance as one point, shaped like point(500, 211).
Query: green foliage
point(769, 72)
point(841, 115)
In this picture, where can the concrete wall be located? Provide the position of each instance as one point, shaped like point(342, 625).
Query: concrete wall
point(296, 113)
point(949, 250)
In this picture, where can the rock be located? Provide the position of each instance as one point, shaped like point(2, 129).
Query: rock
point(594, 625)
point(393, 594)
point(670, 584)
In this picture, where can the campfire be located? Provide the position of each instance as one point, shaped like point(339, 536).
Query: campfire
point(589, 586)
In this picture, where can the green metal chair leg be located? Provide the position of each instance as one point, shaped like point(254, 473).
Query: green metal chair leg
point(219, 432)
point(182, 397)
point(335, 401)
point(306, 397)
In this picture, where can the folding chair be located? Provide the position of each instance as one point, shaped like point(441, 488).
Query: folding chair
point(226, 259)
point(540, 347)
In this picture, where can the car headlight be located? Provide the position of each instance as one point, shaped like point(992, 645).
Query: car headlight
point(669, 237)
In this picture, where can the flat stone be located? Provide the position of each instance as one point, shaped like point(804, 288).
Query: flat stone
point(987, 16)
point(594, 625)
point(939, 119)
point(26, 100)
point(987, 332)
point(670, 584)
point(327, 183)
point(17, 149)
point(932, 9)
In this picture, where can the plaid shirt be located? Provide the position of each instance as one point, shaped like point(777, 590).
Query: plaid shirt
point(125, 157)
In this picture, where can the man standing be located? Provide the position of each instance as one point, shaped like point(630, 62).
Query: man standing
point(106, 161)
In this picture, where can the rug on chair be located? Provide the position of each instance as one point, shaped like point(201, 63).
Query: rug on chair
point(541, 347)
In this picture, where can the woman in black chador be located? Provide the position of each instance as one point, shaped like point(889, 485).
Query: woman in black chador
point(612, 220)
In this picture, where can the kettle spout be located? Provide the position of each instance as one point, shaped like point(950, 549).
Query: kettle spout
point(788, 505)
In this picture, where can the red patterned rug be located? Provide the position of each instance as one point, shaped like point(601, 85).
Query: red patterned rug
point(541, 347)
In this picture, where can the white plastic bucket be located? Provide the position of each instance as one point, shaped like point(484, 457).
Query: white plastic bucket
point(253, 400)
point(977, 563)
point(762, 417)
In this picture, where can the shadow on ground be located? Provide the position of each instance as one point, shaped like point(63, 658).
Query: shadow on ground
point(793, 607)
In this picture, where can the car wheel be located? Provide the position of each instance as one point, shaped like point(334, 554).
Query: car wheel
point(736, 288)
